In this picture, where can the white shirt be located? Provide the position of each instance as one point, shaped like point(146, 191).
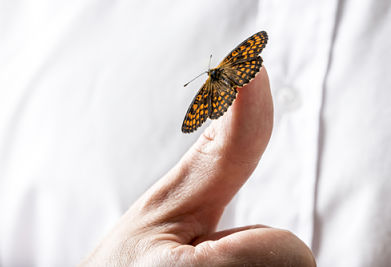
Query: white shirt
point(91, 105)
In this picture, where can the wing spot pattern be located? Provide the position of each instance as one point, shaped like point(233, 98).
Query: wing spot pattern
point(218, 94)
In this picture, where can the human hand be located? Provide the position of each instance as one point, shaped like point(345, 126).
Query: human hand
point(174, 222)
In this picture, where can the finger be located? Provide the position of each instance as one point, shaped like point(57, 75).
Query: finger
point(218, 235)
point(255, 247)
point(218, 164)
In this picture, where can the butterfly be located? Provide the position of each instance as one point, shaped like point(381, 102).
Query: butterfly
point(219, 91)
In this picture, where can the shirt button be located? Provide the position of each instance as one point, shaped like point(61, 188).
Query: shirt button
point(287, 99)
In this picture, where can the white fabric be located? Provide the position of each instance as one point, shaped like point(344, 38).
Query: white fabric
point(91, 104)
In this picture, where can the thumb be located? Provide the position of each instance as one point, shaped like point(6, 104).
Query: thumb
point(236, 142)
point(219, 163)
point(233, 145)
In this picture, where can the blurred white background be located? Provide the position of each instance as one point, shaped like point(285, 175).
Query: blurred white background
point(92, 102)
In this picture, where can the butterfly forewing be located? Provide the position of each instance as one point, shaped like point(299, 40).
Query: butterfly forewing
point(247, 50)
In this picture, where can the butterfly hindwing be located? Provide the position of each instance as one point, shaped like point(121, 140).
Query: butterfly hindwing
point(199, 109)
point(241, 74)
point(223, 96)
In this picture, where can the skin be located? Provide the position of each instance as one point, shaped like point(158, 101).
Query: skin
point(174, 222)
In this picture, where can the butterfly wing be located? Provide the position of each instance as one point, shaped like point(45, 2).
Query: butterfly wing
point(244, 62)
point(199, 110)
point(223, 94)
point(249, 49)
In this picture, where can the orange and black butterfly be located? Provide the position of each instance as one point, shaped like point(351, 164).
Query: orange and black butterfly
point(237, 69)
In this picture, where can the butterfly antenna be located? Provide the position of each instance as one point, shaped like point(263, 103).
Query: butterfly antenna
point(194, 78)
point(186, 84)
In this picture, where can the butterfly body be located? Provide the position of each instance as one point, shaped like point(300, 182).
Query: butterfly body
point(219, 91)
point(215, 74)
